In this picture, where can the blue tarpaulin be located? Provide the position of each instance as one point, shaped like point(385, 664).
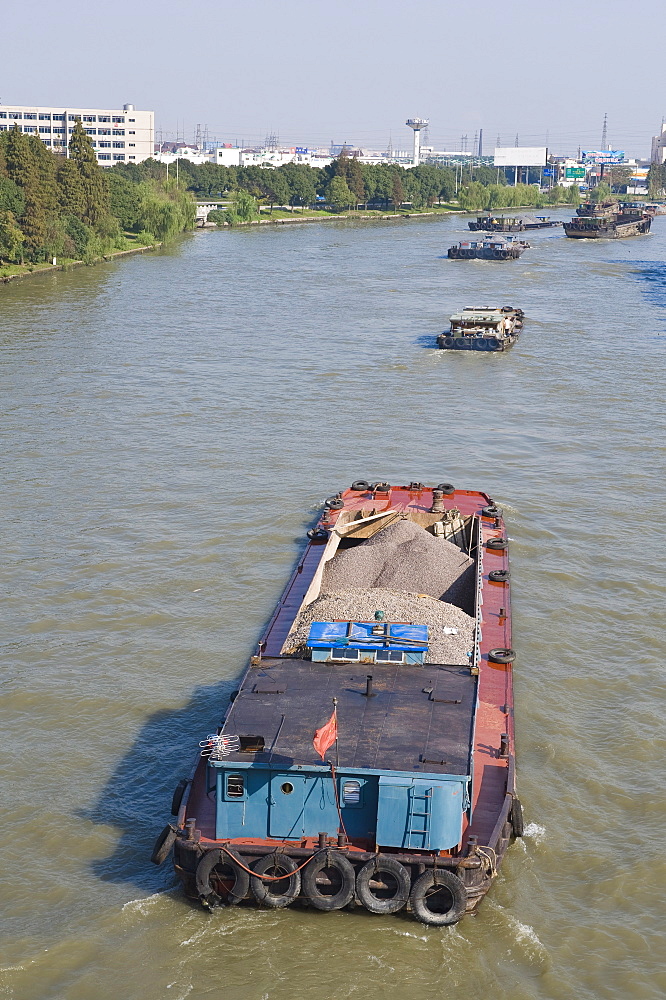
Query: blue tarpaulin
point(359, 635)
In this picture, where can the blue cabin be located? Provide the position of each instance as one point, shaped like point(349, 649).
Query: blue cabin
point(401, 767)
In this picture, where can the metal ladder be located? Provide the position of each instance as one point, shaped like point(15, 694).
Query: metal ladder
point(419, 810)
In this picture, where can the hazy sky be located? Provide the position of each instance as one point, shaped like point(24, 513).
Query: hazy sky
point(351, 70)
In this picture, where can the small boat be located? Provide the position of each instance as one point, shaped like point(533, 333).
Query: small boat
point(490, 248)
point(608, 220)
point(483, 329)
point(367, 757)
point(508, 224)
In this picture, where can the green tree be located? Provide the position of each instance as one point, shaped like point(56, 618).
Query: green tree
point(124, 200)
point(602, 192)
point(11, 238)
point(21, 167)
point(397, 189)
point(71, 195)
point(276, 189)
point(12, 198)
point(93, 182)
point(338, 194)
point(301, 182)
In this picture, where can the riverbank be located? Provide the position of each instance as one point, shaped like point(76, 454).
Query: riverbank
point(30, 270)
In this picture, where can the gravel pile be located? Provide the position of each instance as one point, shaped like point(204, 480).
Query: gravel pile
point(360, 605)
point(404, 556)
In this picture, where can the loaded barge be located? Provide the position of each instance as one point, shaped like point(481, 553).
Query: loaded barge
point(368, 756)
point(482, 328)
point(608, 220)
point(490, 248)
point(511, 224)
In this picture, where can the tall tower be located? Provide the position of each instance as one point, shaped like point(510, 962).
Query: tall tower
point(604, 134)
point(417, 124)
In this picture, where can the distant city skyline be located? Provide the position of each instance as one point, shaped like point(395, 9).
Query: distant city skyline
point(353, 72)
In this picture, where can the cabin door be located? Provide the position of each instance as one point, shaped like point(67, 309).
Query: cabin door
point(287, 805)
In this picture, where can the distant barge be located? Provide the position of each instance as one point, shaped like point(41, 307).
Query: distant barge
point(414, 804)
point(482, 329)
point(608, 220)
point(490, 248)
point(509, 224)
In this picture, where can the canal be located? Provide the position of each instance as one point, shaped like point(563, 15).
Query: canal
point(171, 424)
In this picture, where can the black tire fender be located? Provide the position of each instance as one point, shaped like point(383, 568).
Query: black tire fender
point(163, 844)
point(499, 576)
point(517, 822)
point(347, 878)
point(317, 533)
point(209, 861)
point(497, 543)
point(334, 503)
point(179, 791)
point(380, 487)
point(446, 488)
point(264, 892)
point(501, 655)
point(361, 485)
point(492, 511)
point(423, 889)
point(369, 872)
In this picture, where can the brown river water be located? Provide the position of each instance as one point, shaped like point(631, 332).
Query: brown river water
point(170, 425)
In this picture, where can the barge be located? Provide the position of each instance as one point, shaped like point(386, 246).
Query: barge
point(367, 758)
point(508, 224)
point(490, 248)
point(482, 329)
point(608, 220)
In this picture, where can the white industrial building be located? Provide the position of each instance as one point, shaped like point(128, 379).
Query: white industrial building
point(659, 146)
point(126, 136)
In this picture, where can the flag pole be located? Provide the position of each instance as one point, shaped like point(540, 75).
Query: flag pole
point(337, 748)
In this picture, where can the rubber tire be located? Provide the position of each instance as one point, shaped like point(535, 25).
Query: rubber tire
point(480, 343)
point(420, 891)
point(360, 485)
point(365, 893)
point(497, 543)
point(446, 488)
point(380, 487)
point(317, 533)
point(448, 341)
point(205, 867)
point(163, 845)
point(334, 503)
point(501, 655)
point(492, 511)
point(499, 576)
point(493, 343)
point(179, 791)
point(262, 891)
point(347, 889)
point(517, 822)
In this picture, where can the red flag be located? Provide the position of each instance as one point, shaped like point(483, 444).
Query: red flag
point(325, 737)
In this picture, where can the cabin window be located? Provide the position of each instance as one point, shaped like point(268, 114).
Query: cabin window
point(390, 656)
point(351, 793)
point(347, 654)
point(287, 787)
point(235, 786)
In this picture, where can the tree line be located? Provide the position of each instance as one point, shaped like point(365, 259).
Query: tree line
point(70, 207)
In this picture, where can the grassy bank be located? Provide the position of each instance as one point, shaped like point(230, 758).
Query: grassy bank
point(9, 272)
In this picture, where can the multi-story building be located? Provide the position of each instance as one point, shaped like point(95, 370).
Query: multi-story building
point(126, 136)
point(659, 145)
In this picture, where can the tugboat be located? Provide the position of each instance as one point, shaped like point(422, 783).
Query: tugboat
point(608, 220)
point(367, 757)
point(506, 224)
point(483, 329)
point(491, 248)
